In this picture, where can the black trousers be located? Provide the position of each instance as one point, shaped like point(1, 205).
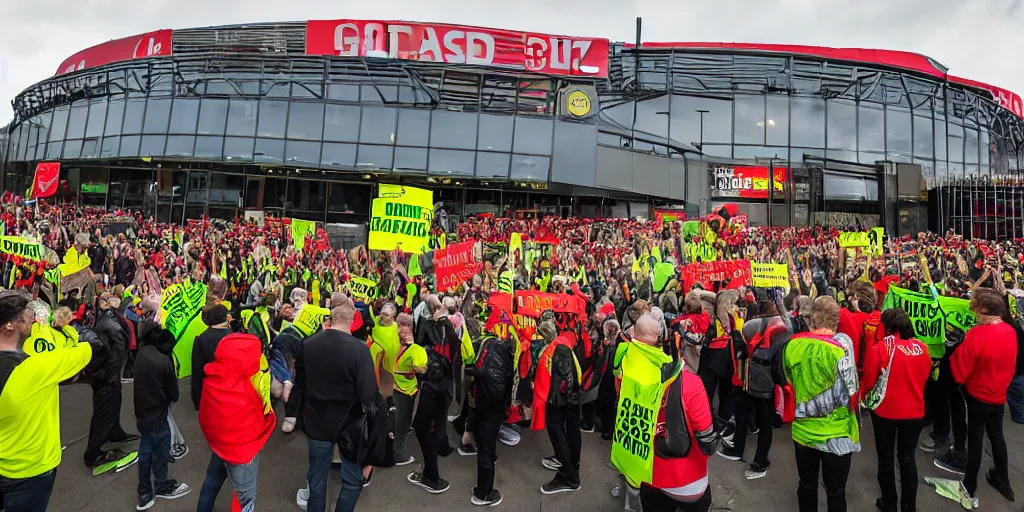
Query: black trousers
point(431, 416)
point(486, 425)
point(607, 403)
point(563, 424)
point(984, 418)
point(653, 500)
point(106, 420)
point(896, 440)
point(763, 410)
point(946, 408)
point(834, 471)
point(296, 404)
point(724, 385)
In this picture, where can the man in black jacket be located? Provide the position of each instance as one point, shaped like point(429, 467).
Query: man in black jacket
point(489, 399)
point(156, 388)
point(106, 389)
point(205, 345)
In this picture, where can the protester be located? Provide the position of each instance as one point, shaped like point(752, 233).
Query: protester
point(489, 399)
point(411, 362)
point(205, 346)
point(556, 407)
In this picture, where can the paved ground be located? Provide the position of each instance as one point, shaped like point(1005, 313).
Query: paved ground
point(519, 475)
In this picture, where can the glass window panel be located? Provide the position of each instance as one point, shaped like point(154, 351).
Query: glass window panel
point(971, 146)
point(841, 154)
point(44, 128)
point(133, 115)
point(454, 129)
point(940, 137)
point(338, 156)
point(130, 145)
point(446, 162)
point(750, 119)
point(76, 120)
point(897, 132)
point(777, 122)
point(492, 165)
point(158, 112)
point(535, 97)
point(307, 90)
point(341, 123)
point(413, 128)
point(89, 147)
point(379, 93)
point(652, 119)
point(374, 157)
point(349, 198)
point(242, 117)
point(72, 148)
point(111, 145)
point(758, 152)
point(413, 159)
point(808, 123)
point(180, 145)
point(97, 115)
point(273, 115)
point(59, 124)
point(152, 145)
point(377, 125)
point(495, 132)
point(533, 168)
point(53, 149)
point(306, 121)
point(115, 116)
point(184, 112)
point(924, 142)
point(842, 125)
point(269, 151)
point(870, 157)
point(238, 148)
point(307, 195)
point(687, 121)
point(212, 114)
point(871, 128)
point(985, 145)
point(209, 147)
point(302, 153)
point(343, 92)
point(955, 144)
point(40, 150)
point(532, 136)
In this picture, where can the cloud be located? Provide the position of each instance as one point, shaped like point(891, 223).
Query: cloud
point(976, 39)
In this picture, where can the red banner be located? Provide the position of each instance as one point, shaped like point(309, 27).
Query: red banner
point(150, 44)
point(454, 264)
point(45, 183)
point(716, 275)
point(746, 181)
point(453, 44)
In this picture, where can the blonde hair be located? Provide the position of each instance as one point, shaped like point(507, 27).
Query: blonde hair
point(62, 316)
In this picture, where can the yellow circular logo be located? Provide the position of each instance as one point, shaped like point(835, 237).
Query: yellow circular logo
point(578, 103)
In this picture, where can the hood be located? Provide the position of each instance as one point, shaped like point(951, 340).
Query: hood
point(237, 355)
point(655, 355)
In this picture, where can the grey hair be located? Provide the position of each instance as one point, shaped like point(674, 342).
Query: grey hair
point(82, 238)
point(298, 294)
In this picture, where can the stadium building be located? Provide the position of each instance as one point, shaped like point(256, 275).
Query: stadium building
point(302, 119)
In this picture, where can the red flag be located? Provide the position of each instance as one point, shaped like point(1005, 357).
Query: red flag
point(47, 176)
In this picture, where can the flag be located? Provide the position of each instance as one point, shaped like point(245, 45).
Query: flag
point(46, 179)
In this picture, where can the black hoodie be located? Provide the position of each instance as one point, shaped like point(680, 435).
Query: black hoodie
point(156, 385)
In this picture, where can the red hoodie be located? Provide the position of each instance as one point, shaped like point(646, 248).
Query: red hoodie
point(985, 362)
point(231, 409)
point(911, 366)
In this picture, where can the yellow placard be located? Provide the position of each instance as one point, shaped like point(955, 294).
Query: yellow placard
point(21, 247)
point(400, 219)
point(363, 288)
point(770, 275)
point(301, 228)
point(871, 238)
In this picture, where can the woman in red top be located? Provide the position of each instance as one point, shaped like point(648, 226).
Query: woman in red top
point(898, 419)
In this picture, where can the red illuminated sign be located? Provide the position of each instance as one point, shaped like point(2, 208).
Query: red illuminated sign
point(539, 53)
point(746, 181)
point(150, 44)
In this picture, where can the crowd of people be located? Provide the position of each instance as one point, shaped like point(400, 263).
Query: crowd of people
point(670, 368)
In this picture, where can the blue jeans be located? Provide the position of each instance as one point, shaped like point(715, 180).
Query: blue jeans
point(154, 455)
point(1015, 399)
point(27, 494)
point(320, 455)
point(243, 480)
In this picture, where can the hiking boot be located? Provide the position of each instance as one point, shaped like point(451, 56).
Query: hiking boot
point(999, 485)
point(492, 500)
point(551, 463)
point(173, 490)
point(729, 453)
point(557, 486)
point(467, 449)
point(145, 502)
point(953, 462)
point(416, 478)
point(929, 444)
point(756, 471)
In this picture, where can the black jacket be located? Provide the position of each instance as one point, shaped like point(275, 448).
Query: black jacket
point(114, 337)
point(203, 350)
point(156, 384)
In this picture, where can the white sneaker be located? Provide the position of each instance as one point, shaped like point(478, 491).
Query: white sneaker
point(302, 498)
point(406, 462)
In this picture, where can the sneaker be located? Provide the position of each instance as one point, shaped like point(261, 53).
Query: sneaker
point(968, 501)
point(729, 453)
point(406, 462)
point(753, 431)
point(557, 486)
point(302, 498)
point(728, 433)
point(953, 462)
point(145, 503)
point(288, 425)
point(416, 478)
point(756, 471)
point(589, 429)
point(997, 484)
point(128, 438)
point(551, 463)
point(467, 449)
point(127, 380)
point(509, 435)
point(336, 457)
point(114, 460)
point(929, 444)
point(179, 451)
point(492, 500)
point(366, 482)
point(174, 491)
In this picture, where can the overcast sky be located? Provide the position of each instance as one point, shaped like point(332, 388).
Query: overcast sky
point(977, 39)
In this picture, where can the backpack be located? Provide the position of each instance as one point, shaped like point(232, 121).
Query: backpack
point(439, 371)
point(760, 381)
point(676, 442)
point(563, 369)
point(492, 384)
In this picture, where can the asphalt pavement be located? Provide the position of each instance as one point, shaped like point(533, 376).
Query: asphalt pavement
point(519, 474)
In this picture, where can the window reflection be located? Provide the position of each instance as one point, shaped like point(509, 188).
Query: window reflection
point(97, 116)
point(808, 127)
point(871, 127)
point(306, 121)
point(242, 117)
point(777, 123)
point(377, 125)
point(532, 136)
point(184, 113)
point(687, 121)
point(455, 130)
point(842, 125)
point(924, 143)
point(750, 119)
point(495, 132)
point(158, 112)
point(897, 132)
point(273, 114)
point(76, 120)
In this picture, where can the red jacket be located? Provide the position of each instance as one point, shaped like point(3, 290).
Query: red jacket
point(685, 477)
point(852, 325)
point(985, 362)
point(911, 366)
point(231, 410)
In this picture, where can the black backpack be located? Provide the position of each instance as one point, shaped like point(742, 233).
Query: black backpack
point(492, 384)
point(439, 371)
point(676, 442)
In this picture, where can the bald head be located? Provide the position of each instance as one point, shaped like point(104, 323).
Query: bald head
point(342, 313)
point(646, 330)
